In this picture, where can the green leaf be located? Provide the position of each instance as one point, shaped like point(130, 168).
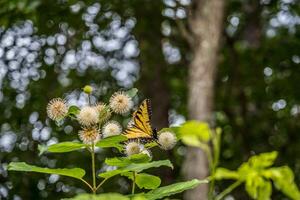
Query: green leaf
point(132, 92)
point(263, 160)
point(108, 196)
point(150, 145)
point(113, 141)
point(136, 167)
point(42, 149)
point(65, 147)
point(283, 179)
point(125, 161)
point(222, 173)
point(144, 180)
point(194, 130)
point(169, 190)
point(73, 111)
point(22, 166)
point(258, 188)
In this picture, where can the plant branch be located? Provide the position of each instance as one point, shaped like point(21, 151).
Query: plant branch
point(87, 184)
point(100, 184)
point(133, 182)
point(228, 190)
point(93, 168)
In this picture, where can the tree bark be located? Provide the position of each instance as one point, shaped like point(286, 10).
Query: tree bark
point(205, 22)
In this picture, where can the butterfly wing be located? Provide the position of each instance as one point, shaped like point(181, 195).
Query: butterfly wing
point(142, 127)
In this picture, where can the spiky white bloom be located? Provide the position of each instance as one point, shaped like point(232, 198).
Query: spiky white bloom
point(111, 128)
point(120, 102)
point(89, 135)
point(57, 109)
point(167, 140)
point(88, 116)
point(132, 148)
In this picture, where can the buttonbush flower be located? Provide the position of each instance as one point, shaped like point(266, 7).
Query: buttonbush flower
point(111, 128)
point(89, 135)
point(132, 148)
point(88, 116)
point(167, 140)
point(120, 103)
point(57, 109)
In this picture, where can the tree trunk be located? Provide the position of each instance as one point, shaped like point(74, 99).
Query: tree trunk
point(205, 22)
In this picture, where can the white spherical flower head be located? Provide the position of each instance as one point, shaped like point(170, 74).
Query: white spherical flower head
point(89, 135)
point(120, 103)
point(111, 128)
point(132, 148)
point(167, 140)
point(57, 109)
point(88, 116)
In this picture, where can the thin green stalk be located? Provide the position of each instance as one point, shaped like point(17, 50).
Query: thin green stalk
point(216, 156)
point(93, 168)
point(228, 190)
point(92, 189)
point(133, 182)
point(100, 184)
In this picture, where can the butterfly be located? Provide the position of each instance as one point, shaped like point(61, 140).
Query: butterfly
point(141, 127)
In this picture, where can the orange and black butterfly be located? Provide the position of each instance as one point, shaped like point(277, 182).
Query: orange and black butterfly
point(141, 127)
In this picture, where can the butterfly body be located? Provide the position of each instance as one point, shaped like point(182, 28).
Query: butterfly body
point(141, 129)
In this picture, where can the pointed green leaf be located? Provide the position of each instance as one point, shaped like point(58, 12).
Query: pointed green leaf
point(65, 147)
point(144, 180)
point(113, 141)
point(132, 92)
point(263, 160)
point(42, 149)
point(193, 133)
point(22, 166)
point(136, 167)
point(125, 161)
point(283, 179)
point(222, 173)
point(73, 111)
point(169, 190)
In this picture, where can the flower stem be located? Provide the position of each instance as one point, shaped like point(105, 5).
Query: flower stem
point(93, 168)
point(228, 190)
point(100, 184)
point(133, 182)
point(87, 184)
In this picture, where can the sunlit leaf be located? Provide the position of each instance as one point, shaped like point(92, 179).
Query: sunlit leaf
point(196, 130)
point(22, 166)
point(113, 141)
point(65, 147)
point(263, 160)
point(132, 92)
point(136, 167)
point(222, 173)
point(125, 161)
point(169, 190)
point(73, 111)
point(144, 180)
point(42, 149)
point(283, 179)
